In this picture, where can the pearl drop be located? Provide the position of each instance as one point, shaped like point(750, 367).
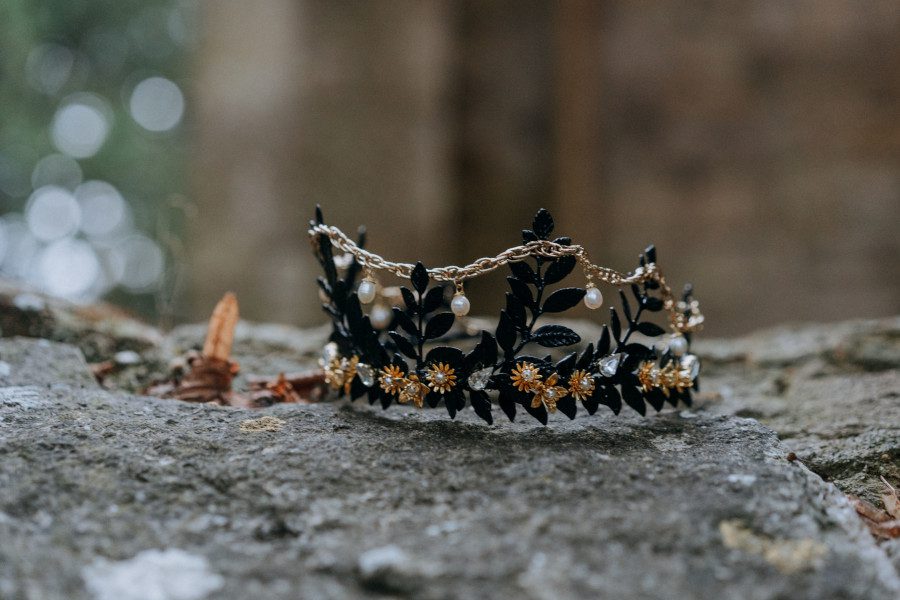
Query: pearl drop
point(366, 291)
point(678, 345)
point(593, 299)
point(380, 316)
point(460, 305)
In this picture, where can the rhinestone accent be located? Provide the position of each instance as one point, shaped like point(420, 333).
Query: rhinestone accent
point(366, 374)
point(479, 379)
point(609, 364)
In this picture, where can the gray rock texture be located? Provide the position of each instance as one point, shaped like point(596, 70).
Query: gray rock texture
point(111, 495)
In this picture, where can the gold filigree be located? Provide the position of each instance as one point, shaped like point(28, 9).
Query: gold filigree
point(581, 385)
point(665, 379)
point(525, 377)
point(441, 377)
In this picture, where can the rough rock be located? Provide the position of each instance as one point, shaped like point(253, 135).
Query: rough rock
point(345, 501)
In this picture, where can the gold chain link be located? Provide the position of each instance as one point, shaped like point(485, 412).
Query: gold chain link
point(541, 248)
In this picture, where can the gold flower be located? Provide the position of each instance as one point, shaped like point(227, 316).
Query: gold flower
point(349, 369)
point(581, 385)
point(648, 375)
point(441, 377)
point(413, 391)
point(525, 377)
point(334, 374)
point(548, 393)
point(391, 379)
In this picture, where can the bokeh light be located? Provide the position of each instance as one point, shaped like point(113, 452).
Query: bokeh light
point(68, 268)
point(80, 126)
point(157, 104)
point(52, 213)
point(56, 169)
point(104, 211)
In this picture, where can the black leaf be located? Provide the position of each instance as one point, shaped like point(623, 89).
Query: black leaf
point(507, 401)
point(522, 271)
point(529, 236)
point(559, 270)
point(687, 398)
point(563, 299)
point(516, 310)
point(563, 241)
point(451, 404)
point(652, 304)
point(637, 350)
point(432, 399)
point(433, 299)
point(405, 322)
point(650, 329)
point(636, 291)
point(404, 345)
point(419, 278)
point(584, 361)
point(481, 404)
point(539, 413)
point(603, 343)
point(590, 404)
point(409, 299)
point(567, 406)
point(490, 348)
point(626, 308)
point(319, 219)
point(543, 224)
point(566, 365)
point(521, 291)
point(446, 354)
point(554, 336)
point(633, 398)
point(438, 325)
point(506, 332)
point(615, 325)
point(650, 252)
point(656, 399)
point(609, 396)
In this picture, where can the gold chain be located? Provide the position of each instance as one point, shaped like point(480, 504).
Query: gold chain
point(540, 248)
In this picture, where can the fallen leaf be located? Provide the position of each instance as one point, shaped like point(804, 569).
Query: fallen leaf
point(890, 499)
point(220, 334)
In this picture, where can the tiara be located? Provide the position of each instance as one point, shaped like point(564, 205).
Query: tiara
point(400, 351)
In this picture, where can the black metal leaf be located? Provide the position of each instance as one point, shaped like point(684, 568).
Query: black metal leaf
point(523, 271)
point(563, 241)
point(516, 310)
point(404, 345)
point(559, 270)
point(419, 278)
point(633, 398)
point(650, 252)
point(507, 401)
point(566, 365)
point(626, 308)
point(615, 325)
point(554, 336)
point(447, 354)
point(319, 219)
point(609, 396)
point(451, 402)
point(652, 304)
point(521, 291)
point(481, 404)
point(637, 351)
point(563, 299)
point(409, 299)
point(603, 343)
point(590, 404)
point(529, 236)
point(687, 398)
point(433, 299)
point(650, 329)
point(405, 322)
point(506, 332)
point(490, 348)
point(438, 325)
point(567, 406)
point(539, 413)
point(584, 361)
point(543, 224)
point(656, 399)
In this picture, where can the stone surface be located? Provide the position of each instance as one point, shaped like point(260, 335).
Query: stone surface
point(101, 489)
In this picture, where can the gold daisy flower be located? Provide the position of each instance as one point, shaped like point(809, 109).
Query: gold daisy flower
point(391, 379)
point(548, 393)
point(525, 377)
point(334, 374)
point(441, 377)
point(581, 385)
point(413, 391)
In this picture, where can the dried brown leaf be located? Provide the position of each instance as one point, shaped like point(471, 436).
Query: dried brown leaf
point(220, 335)
point(891, 500)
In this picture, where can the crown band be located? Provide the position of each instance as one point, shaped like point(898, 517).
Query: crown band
point(395, 354)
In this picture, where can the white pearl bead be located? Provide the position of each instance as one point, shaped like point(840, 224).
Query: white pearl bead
point(593, 299)
point(380, 316)
point(678, 345)
point(366, 291)
point(460, 305)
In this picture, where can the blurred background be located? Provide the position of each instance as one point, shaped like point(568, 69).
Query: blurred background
point(157, 153)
